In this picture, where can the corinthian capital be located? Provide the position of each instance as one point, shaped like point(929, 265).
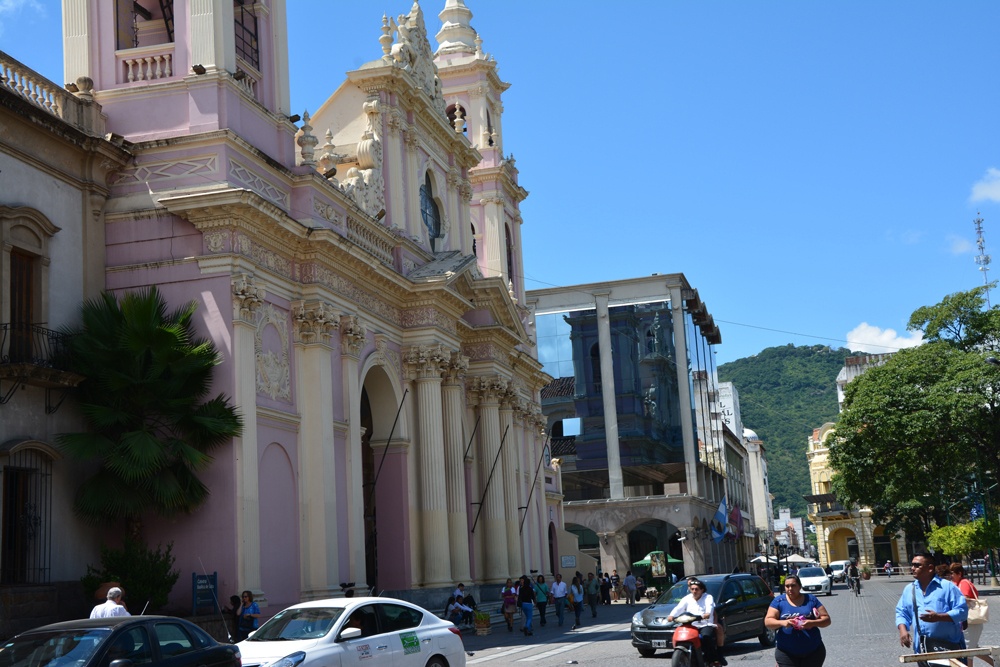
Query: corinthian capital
point(352, 335)
point(247, 298)
point(455, 368)
point(488, 388)
point(425, 361)
point(314, 321)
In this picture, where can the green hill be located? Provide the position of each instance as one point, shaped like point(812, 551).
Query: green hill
point(786, 392)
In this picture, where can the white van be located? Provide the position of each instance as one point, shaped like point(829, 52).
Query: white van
point(839, 568)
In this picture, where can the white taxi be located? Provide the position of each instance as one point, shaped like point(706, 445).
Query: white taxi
point(376, 632)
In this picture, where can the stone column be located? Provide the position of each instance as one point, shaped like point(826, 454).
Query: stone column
point(691, 466)
point(353, 335)
point(608, 396)
point(247, 298)
point(492, 518)
point(511, 473)
point(454, 463)
point(493, 234)
point(414, 221)
point(394, 161)
point(424, 365)
point(313, 323)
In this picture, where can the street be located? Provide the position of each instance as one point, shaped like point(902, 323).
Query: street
point(863, 633)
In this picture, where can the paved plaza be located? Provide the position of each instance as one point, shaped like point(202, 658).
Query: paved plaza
point(863, 633)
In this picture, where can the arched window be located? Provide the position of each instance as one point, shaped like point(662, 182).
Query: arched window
point(489, 128)
point(454, 111)
point(429, 211)
point(510, 254)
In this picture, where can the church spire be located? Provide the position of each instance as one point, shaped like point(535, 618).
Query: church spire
point(456, 34)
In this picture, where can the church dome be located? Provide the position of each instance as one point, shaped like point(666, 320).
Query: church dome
point(750, 435)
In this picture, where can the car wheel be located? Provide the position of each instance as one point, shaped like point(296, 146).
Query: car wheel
point(436, 661)
point(766, 639)
point(647, 652)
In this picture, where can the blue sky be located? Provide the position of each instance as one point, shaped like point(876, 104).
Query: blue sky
point(813, 168)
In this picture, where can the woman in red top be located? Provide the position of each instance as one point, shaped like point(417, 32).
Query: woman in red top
point(972, 632)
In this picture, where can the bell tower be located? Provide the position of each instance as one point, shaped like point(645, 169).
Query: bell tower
point(472, 90)
point(168, 68)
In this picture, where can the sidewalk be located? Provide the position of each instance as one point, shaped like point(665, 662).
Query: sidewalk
point(617, 612)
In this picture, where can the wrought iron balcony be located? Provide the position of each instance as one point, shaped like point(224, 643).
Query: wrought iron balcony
point(36, 356)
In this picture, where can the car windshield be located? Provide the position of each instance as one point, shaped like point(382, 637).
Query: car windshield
point(812, 572)
point(837, 566)
point(52, 649)
point(300, 623)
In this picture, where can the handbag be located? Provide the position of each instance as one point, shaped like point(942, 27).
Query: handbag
point(979, 611)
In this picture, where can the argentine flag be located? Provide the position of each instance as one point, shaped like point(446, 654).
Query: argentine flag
point(720, 519)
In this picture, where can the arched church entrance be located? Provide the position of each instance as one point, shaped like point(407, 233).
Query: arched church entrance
point(383, 485)
point(842, 544)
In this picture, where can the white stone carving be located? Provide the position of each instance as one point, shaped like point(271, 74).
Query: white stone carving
point(364, 183)
point(412, 53)
point(247, 298)
point(216, 241)
point(307, 142)
point(353, 333)
point(314, 321)
point(273, 369)
point(385, 355)
point(426, 361)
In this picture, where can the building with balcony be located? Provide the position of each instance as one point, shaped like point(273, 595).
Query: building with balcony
point(55, 163)
point(635, 418)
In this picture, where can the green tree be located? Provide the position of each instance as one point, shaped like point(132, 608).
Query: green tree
point(151, 429)
point(918, 438)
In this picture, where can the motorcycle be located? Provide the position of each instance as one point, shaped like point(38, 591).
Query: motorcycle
point(687, 643)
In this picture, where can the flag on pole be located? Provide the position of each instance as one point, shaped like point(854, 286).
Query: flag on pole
point(720, 519)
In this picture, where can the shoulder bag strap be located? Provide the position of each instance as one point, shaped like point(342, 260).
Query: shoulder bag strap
point(916, 614)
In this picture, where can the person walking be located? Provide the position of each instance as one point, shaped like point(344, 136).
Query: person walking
point(616, 586)
point(526, 598)
point(628, 583)
point(541, 597)
point(973, 631)
point(559, 593)
point(930, 611)
point(606, 589)
point(576, 592)
point(509, 596)
point(593, 590)
point(700, 603)
point(797, 617)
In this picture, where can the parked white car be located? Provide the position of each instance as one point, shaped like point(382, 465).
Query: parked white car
point(376, 632)
point(816, 581)
point(839, 568)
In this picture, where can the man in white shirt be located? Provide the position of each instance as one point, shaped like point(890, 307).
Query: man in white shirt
point(558, 591)
point(112, 607)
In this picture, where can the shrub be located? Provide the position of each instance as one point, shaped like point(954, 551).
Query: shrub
point(146, 575)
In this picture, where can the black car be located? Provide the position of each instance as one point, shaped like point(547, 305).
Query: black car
point(741, 601)
point(122, 641)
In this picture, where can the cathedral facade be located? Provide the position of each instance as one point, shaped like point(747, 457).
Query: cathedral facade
point(359, 270)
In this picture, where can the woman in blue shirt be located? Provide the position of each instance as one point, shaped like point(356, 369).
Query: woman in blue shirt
point(797, 618)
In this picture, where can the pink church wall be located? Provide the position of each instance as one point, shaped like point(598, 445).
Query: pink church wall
point(279, 538)
point(393, 511)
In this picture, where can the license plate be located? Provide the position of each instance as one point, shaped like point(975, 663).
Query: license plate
point(659, 643)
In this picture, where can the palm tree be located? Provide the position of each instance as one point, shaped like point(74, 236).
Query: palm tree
point(151, 429)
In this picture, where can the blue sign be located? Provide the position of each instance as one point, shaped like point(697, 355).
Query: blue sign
point(204, 592)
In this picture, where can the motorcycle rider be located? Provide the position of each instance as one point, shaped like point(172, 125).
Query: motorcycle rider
point(699, 603)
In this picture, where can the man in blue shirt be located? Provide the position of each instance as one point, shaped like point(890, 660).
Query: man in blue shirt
point(940, 607)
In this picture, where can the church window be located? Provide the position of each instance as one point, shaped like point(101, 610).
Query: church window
point(429, 211)
point(24, 264)
point(454, 111)
point(475, 250)
point(510, 253)
point(247, 44)
point(489, 127)
point(143, 23)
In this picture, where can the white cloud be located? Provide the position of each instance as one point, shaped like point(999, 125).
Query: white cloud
point(9, 8)
point(868, 338)
point(959, 245)
point(987, 188)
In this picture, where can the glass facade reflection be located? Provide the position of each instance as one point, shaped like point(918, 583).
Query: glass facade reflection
point(649, 404)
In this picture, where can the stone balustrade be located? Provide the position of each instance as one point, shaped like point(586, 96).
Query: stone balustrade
point(84, 114)
point(145, 63)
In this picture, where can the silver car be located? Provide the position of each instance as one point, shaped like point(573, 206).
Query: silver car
point(349, 632)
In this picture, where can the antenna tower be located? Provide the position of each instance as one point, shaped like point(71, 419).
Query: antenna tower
point(982, 259)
